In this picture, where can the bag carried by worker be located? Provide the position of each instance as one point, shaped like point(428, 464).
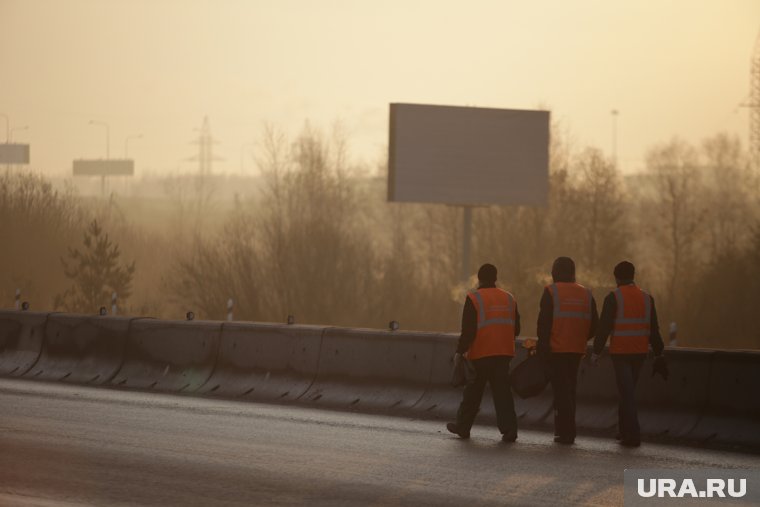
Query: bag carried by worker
point(463, 373)
point(529, 378)
point(660, 367)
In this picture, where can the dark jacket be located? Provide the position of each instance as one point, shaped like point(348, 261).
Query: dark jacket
point(470, 322)
point(546, 320)
point(607, 322)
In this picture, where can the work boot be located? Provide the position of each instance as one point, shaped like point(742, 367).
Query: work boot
point(453, 428)
point(629, 442)
point(564, 440)
point(509, 437)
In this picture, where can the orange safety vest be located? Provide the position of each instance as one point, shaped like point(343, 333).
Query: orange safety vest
point(630, 332)
point(496, 323)
point(572, 317)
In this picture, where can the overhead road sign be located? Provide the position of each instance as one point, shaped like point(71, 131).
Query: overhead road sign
point(12, 153)
point(111, 167)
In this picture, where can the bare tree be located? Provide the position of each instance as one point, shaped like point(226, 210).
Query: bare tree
point(192, 198)
point(729, 189)
point(678, 212)
point(37, 223)
point(602, 226)
point(297, 250)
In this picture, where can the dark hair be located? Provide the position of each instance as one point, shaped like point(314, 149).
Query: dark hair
point(487, 273)
point(624, 271)
point(563, 269)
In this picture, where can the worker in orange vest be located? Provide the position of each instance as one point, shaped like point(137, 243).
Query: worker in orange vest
point(630, 318)
point(490, 322)
point(567, 320)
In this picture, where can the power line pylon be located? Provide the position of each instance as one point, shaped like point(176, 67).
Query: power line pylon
point(205, 144)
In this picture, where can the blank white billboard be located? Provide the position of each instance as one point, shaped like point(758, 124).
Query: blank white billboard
point(14, 153)
point(123, 167)
point(468, 155)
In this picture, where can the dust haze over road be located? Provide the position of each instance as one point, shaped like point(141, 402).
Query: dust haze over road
point(64, 445)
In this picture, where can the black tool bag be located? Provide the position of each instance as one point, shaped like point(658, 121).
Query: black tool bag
point(529, 378)
point(463, 373)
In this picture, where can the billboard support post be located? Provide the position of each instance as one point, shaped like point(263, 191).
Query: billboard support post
point(466, 233)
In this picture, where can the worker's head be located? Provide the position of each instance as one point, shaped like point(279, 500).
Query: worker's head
point(563, 270)
point(487, 274)
point(624, 273)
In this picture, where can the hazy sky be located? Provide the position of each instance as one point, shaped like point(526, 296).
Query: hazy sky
point(156, 67)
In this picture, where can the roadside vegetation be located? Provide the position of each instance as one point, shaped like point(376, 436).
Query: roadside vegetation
point(313, 236)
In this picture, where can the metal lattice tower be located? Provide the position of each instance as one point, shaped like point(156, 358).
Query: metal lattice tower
point(754, 105)
point(205, 144)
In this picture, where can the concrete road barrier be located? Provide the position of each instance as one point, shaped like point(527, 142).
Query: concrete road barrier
point(440, 399)
point(365, 369)
point(732, 411)
point(673, 407)
point(271, 362)
point(666, 408)
point(710, 396)
point(176, 356)
point(20, 341)
point(82, 349)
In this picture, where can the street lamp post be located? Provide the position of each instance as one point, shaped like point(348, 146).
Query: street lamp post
point(108, 136)
point(7, 127)
point(126, 143)
point(614, 113)
point(14, 129)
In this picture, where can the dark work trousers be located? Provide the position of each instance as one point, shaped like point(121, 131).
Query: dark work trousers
point(627, 369)
point(493, 370)
point(563, 374)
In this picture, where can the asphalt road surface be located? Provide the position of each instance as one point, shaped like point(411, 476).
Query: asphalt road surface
point(68, 445)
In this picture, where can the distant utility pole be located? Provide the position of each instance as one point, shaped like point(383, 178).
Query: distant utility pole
point(15, 129)
point(614, 113)
point(108, 136)
point(7, 127)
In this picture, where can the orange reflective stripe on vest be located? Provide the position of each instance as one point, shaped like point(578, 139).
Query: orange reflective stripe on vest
point(571, 321)
point(630, 333)
point(496, 323)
